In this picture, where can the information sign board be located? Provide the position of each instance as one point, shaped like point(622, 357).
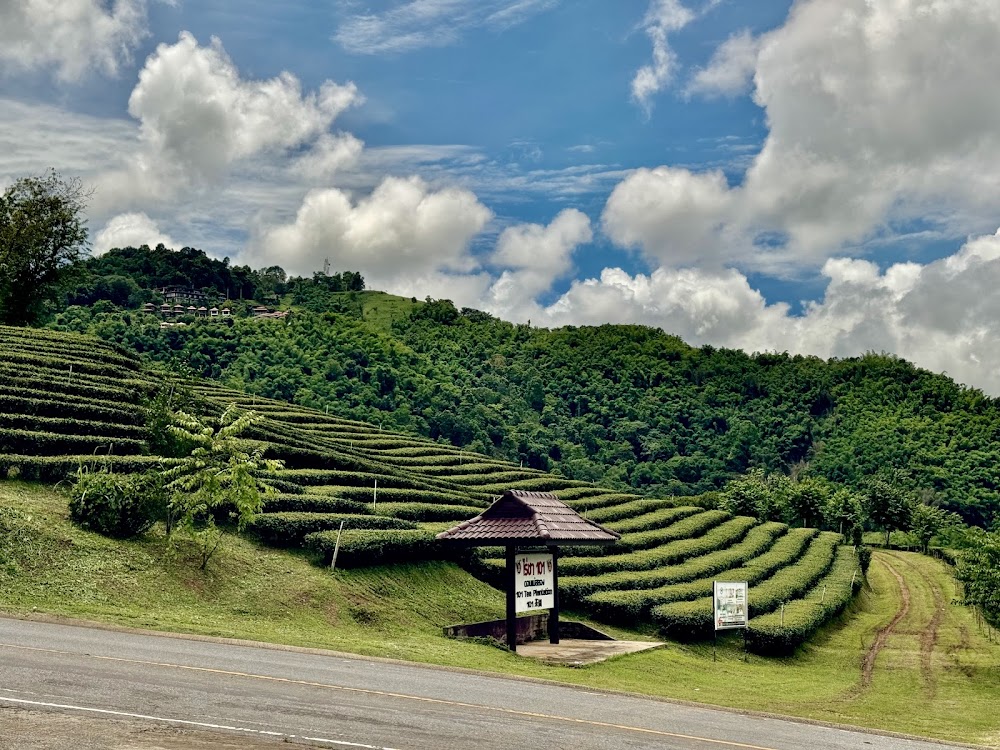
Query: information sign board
point(730, 604)
point(534, 582)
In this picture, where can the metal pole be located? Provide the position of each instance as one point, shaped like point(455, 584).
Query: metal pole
point(511, 610)
point(554, 614)
point(375, 497)
point(336, 548)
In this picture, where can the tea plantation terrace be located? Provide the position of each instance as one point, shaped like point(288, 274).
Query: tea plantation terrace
point(67, 399)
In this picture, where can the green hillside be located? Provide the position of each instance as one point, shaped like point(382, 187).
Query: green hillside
point(628, 407)
point(69, 399)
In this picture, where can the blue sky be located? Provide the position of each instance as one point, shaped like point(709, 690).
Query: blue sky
point(818, 177)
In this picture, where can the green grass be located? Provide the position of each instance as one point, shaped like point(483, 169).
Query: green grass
point(49, 566)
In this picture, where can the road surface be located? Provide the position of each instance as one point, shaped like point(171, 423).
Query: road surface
point(219, 694)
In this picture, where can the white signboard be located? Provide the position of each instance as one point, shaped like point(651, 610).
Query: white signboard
point(730, 600)
point(534, 582)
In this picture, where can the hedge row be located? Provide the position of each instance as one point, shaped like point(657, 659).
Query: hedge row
point(312, 504)
point(682, 545)
point(578, 494)
point(62, 364)
point(35, 392)
point(690, 526)
point(698, 525)
point(26, 441)
point(628, 509)
point(630, 604)
point(422, 462)
point(505, 475)
point(421, 451)
point(86, 355)
point(427, 511)
point(136, 381)
point(756, 542)
point(655, 519)
point(392, 494)
point(471, 466)
point(780, 633)
point(318, 477)
point(281, 486)
point(71, 426)
point(600, 498)
point(288, 529)
point(52, 469)
point(65, 386)
point(692, 620)
point(61, 340)
point(537, 484)
point(41, 406)
point(364, 548)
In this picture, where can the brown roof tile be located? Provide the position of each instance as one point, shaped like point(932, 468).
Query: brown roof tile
point(521, 517)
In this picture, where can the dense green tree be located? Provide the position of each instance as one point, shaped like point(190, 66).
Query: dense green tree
point(842, 511)
point(42, 235)
point(887, 505)
point(979, 571)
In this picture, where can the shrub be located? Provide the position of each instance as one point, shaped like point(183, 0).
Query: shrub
point(311, 504)
point(756, 543)
point(653, 520)
point(427, 511)
point(364, 548)
point(864, 558)
point(115, 505)
point(693, 620)
point(51, 443)
point(780, 633)
point(289, 529)
point(52, 469)
point(669, 545)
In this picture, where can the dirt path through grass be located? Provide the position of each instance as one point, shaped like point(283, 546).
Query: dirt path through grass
point(882, 636)
point(929, 633)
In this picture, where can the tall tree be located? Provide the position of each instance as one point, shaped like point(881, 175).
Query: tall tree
point(42, 233)
point(887, 505)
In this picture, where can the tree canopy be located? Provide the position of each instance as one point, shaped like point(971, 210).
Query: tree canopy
point(42, 235)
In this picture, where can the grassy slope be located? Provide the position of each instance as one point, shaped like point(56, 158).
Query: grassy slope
point(946, 689)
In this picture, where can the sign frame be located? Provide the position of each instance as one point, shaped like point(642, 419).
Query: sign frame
point(730, 605)
point(534, 581)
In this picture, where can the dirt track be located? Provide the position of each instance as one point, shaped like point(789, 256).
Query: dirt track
point(882, 637)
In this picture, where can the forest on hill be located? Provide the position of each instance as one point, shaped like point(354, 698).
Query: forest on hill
point(631, 407)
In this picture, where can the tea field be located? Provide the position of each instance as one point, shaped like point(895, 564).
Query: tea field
point(67, 400)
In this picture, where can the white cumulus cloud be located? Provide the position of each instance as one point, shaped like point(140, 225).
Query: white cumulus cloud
point(873, 121)
point(731, 68)
point(939, 315)
point(198, 117)
point(70, 36)
point(401, 231)
point(534, 257)
point(130, 230)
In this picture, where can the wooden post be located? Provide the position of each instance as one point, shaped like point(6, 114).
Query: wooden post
point(336, 548)
point(511, 610)
point(554, 614)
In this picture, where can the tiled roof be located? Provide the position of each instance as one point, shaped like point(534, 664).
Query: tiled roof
point(520, 517)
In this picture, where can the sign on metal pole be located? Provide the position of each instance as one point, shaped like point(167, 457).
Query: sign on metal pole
point(730, 604)
point(534, 582)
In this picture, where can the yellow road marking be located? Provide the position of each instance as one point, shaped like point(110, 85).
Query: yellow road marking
point(402, 696)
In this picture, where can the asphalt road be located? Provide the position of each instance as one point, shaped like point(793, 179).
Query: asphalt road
point(330, 700)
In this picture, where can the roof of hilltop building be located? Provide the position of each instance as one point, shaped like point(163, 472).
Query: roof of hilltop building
point(520, 517)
